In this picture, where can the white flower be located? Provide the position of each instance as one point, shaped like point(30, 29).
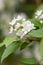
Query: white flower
point(11, 29)
point(17, 26)
point(26, 23)
point(41, 21)
point(27, 27)
point(38, 13)
point(41, 17)
point(36, 16)
point(22, 28)
point(21, 17)
point(20, 33)
point(13, 21)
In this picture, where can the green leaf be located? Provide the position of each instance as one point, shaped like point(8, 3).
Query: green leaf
point(1, 51)
point(9, 50)
point(41, 48)
point(1, 44)
point(36, 22)
point(35, 33)
point(24, 45)
point(27, 43)
point(10, 39)
point(28, 60)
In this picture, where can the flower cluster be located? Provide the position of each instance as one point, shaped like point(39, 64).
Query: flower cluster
point(21, 26)
point(39, 15)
